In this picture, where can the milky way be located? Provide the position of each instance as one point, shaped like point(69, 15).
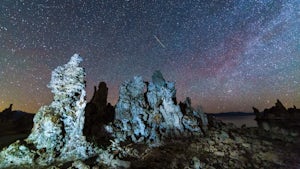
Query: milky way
point(227, 55)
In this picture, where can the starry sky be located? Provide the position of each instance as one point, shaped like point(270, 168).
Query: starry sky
point(227, 55)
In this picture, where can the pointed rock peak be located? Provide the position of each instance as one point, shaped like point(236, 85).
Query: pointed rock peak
point(10, 106)
point(100, 95)
point(7, 110)
point(75, 60)
point(102, 91)
point(255, 110)
point(278, 101)
point(279, 104)
point(158, 79)
point(102, 85)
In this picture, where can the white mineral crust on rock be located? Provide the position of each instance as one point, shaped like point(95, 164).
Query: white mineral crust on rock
point(57, 132)
point(65, 123)
point(147, 112)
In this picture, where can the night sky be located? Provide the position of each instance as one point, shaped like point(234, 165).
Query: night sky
point(227, 55)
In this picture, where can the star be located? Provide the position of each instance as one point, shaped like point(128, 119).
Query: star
point(225, 55)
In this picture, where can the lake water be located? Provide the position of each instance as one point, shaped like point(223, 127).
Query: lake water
point(240, 120)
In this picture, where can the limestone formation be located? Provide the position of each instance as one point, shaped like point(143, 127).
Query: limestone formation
point(57, 132)
point(148, 113)
point(198, 116)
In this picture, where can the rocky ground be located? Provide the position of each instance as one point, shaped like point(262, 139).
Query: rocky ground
point(223, 146)
point(227, 148)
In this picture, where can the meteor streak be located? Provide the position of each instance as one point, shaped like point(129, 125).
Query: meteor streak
point(161, 44)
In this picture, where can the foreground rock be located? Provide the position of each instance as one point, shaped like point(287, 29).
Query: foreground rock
point(57, 135)
point(148, 113)
point(58, 127)
point(148, 117)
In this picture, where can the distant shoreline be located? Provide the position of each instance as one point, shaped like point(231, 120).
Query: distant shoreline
point(231, 114)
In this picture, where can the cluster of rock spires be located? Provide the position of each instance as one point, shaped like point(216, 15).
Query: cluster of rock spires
point(278, 112)
point(145, 113)
point(148, 113)
point(279, 119)
point(146, 129)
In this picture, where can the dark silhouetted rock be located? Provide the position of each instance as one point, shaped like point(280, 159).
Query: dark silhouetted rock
point(7, 113)
point(278, 112)
point(15, 122)
point(97, 113)
point(257, 113)
point(100, 96)
point(279, 119)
